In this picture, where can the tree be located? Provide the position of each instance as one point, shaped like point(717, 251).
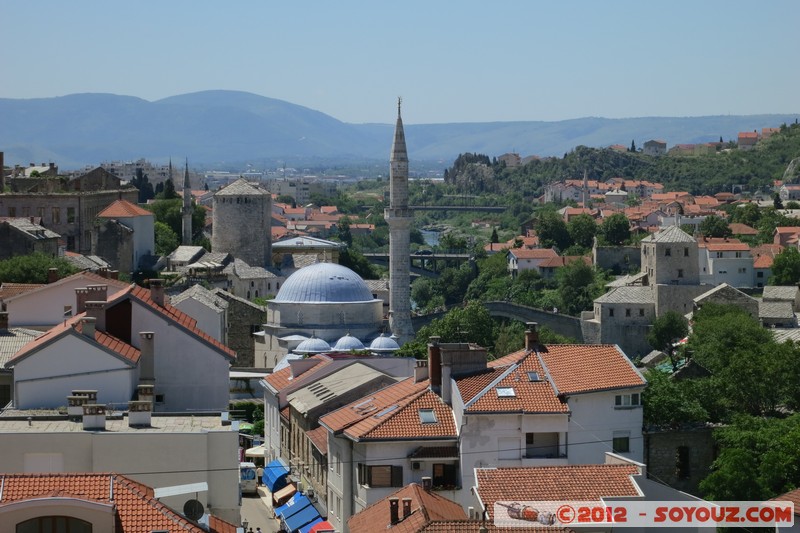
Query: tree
point(33, 268)
point(777, 202)
point(578, 286)
point(355, 261)
point(343, 231)
point(670, 403)
point(668, 328)
point(552, 231)
point(715, 226)
point(633, 147)
point(786, 267)
point(286, 199)
point(616, 229)
point(495, 238)
point(166, 239)
point(582, 230)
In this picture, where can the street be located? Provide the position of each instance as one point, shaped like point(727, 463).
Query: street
point(258, 514)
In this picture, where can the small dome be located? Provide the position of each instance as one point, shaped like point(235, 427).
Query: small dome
point(313, 345)
point(324, 282)
point(384, 344)
point(347, 343)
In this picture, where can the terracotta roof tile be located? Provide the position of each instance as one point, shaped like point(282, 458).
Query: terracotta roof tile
point(537, 253)
point(577, 368)
point(728, 247)
point(426, 507)
point(435, 452)
point(319, 438)
point(404, 421)
point(737, 228)
point(763, 261)
point(476, 526)
point(123, 209)
point(137, 511)
point(283, 378)
point(554, 483)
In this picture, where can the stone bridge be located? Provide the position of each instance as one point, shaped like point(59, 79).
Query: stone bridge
point(566, 325)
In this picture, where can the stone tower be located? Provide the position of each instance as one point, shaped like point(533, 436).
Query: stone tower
point(187, 207)
point(242, 223)
point(398, 216)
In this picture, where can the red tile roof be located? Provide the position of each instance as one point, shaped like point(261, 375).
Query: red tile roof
point(404, 421)
point(554, 483)
point(577, 368)
point(538, 253)
point(7, 290)
point(319, 438)
point(763, 261)
point(137, 511)
point(477, 526)
point(737, 228)
point(283, 378)
point(123, 209)
point(426, 507)
point(728, 247)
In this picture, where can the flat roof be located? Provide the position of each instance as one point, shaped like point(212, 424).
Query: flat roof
point(159, 424)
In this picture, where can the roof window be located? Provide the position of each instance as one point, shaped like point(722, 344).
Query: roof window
point(506, 392)
point(427, 416)
point(534, 376)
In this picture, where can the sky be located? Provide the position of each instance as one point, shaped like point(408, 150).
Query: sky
point(456, 61)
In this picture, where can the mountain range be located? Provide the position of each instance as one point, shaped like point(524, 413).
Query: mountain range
point(232, 128)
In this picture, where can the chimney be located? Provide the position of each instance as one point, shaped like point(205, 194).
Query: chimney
point(102, 272)
point(147, 370)
point(94, 416)
point(446, 387)
point(139, 413)
point(81, 295)
point(87, 326)
point(52, 275)
point(420, 370)
point(531, 336)
point(144, 393)
point(427, 483)
point(113, 274)
point(97, 310)
point(97, 293)
point(406, 508)
point(75, 405)
point(394, 511)
point(157, 291)
point(435, 364)
point(3, 321)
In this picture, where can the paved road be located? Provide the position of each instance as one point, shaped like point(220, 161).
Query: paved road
point(258, 513)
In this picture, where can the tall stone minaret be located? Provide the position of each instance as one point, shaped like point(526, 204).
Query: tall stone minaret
point(398, 216)
point(187, 210)
point(585, 189)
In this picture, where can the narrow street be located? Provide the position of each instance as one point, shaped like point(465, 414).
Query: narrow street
point(258, 514)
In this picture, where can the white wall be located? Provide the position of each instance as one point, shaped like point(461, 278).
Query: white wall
point(209, 320)
point(45, 307)
point(592, 425)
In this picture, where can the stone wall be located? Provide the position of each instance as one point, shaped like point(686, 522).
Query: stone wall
point(244, 318)
point(14, 242)
point(617, 259)
point(680, 458)
point(114, 242)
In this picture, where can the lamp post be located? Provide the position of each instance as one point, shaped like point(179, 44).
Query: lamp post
point(245, 523)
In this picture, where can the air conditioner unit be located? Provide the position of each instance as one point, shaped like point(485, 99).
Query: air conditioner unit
point(415, 465)
point(310, 493)
point(299, 486)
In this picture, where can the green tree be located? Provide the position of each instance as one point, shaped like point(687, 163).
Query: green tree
point(552, 231)
point(582, 230)
point(578, 285)
point(777, 202)
point(786, 267)
point(495, 238)
point(715, 226)
point(343, 231)
point(166, 239)
point(616, 229)
point(355, 261)
point(286, 199)
point(669, 402)
point(33, 268)
point(170, 213)
point(668, 328)
point(169, 191)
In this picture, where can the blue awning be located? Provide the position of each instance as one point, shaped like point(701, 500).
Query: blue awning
point(298, 520)
point(274, 477)
point(306, 528)
point(294, 505)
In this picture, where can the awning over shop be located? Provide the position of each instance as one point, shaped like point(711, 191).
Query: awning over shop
point(319, 527)
point(307, 528)
point(283, 495)
point(274, 477)
point(296, 503)
point(256, 451)
point(301, 518)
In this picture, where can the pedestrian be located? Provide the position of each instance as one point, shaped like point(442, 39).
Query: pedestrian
point(259, 475)
point(258, 530)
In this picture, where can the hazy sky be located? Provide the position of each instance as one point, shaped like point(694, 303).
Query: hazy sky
point(455, 61)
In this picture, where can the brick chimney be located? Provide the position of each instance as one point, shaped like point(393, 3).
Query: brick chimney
point(3, 321)
point(394, 514)
point(113, 274)
point(531, 336)
point(406, 508)
point(52, 275)
point(427, 483)
point(97, 293)
point(81, 295)
point(157, 291)
point(87, 326)
point(97, 310)
point(94, 416)
point(147, 359)
point(435, 364)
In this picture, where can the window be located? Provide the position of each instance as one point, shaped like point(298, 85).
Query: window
point(641, 312)
point(686, 252)
point(627, 400)
point(541, 444)
point(610, 312)
point(51, 524)
point(427, 416)
point(759, 274)
point(506, 392)
point(742, 270)
point(12, 212)
point(738, 254)
point(534, 376)
point(380, 476)
point(719, 255)
point(621, 442)
point(682, 462)
point(70, 215)
point(680, 272)
point(667, 252)
point(56, 215)
point(444, 475)
point(627, 312)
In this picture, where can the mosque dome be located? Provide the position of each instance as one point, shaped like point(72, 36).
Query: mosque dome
point(312, 346)
point(383, 344)
point(347, 343)
point(324, 283)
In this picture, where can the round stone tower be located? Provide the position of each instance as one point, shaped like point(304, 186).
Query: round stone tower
point(242, 222)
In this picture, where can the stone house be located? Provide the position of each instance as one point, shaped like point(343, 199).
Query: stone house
point(244, 318)
point(654, 147)
point(124, 235)
point(521, 259)
point(208, 309)
point(22, 236)
point(726, 261)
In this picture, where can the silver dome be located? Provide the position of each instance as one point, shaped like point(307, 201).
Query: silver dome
point(384, 344)
point(312, 345)
point(324, 282)
point(347, 343)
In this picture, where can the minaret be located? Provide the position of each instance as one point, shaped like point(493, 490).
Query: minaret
point(187, 206)
point(398, 216)
point(585, 189)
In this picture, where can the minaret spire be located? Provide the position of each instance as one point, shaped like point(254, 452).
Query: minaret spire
point(398, 216)
point(186, 212)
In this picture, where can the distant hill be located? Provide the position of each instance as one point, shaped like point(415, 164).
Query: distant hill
point(230, 127)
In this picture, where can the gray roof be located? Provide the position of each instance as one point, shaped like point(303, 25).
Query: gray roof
point(347, 343)
point(242, 270)
point(778, 310)
point(780, 292)
point(653, 358)
point(184, 254)
point(35, 231)
point(723, 288)
point(86, 262)
point(384, 344)
point(786, 334)
point(670, 234)
point(302, 242)
point(324, 283)
point(12, 340)
point(196, 423)
point(227, 296)
point(328, 388)
point(312, 345)
point(377, 284)
point(627, 295)
point(627, 280)
point(202, 295)
point(242, 187)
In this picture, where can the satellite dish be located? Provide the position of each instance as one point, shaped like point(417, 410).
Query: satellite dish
point(193, 510)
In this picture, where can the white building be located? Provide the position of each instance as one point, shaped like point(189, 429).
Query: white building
point(208, 309)
point(723, 261)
